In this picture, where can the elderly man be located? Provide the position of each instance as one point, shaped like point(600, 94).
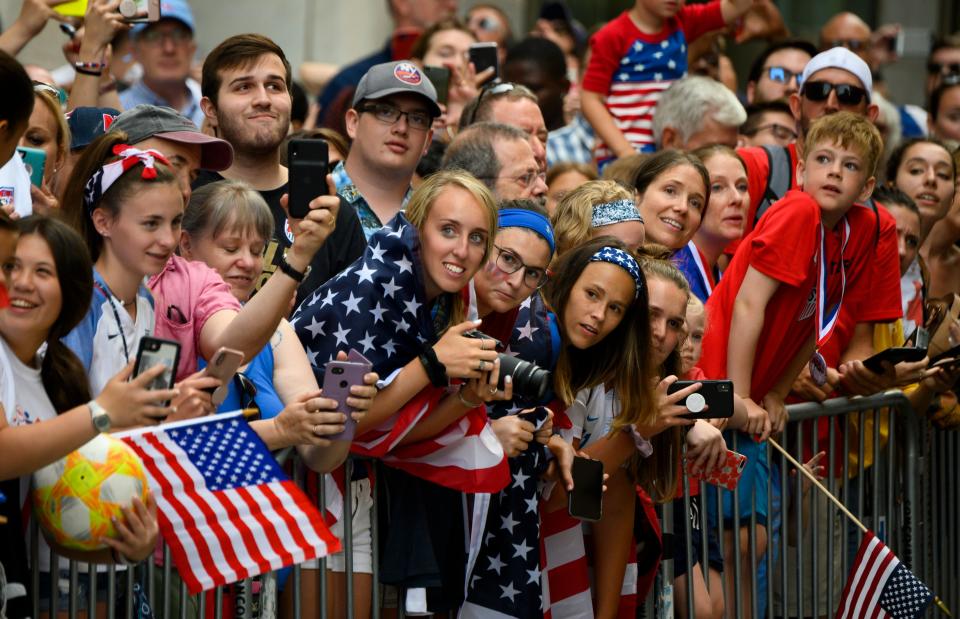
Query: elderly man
point(500, 157)
point(511, 104)
point(697, 111)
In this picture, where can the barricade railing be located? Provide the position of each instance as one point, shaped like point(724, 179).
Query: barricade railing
point(898, 476)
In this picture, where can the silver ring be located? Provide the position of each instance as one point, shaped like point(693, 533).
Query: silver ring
point(492, 389)
point(316, 429)
point(483, 364)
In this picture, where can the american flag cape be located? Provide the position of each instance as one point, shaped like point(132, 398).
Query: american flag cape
point(225, 508)
point(378, 306)
point(879, 585)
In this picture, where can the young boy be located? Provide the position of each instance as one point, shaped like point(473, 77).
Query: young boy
point(16, 105)
point(768, 314)
point(634, 58)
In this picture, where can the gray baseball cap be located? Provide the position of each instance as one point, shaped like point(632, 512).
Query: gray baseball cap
point(391, 78)
point(146, 121)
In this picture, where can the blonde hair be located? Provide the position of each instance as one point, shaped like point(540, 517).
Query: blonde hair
point(422, 200)
point(572, 219)
point(63, 131)
point(848, 130)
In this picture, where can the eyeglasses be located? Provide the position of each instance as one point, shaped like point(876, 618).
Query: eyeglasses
point(781, 75)
point(510, 263)
point(490, 90)
point(177, 35)
point(853, 45)
point(388, 114)
point(527, 180)
point(53, 91)
point(782, 133)
point(846, 93)
point(936, 68)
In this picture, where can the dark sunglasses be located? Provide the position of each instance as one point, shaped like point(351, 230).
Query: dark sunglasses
point(936, 68)
point(846, 94)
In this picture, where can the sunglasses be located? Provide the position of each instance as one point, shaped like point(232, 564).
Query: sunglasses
point(936, 68)
point(846, 93)
point(492, 89)
point(53, 91)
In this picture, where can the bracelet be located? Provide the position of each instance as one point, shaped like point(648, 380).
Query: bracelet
point(88, 72)
point(80, 64)
point(436, 371)
point(466, 402)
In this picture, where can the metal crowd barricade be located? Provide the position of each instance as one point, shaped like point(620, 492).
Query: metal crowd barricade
point(809, 545)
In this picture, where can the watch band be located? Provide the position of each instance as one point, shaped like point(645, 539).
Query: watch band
point(101, 420)
point(284, 266)
point(436, 371)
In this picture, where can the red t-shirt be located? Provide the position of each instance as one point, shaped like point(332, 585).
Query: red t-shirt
point(631, 68)
point(784, 246)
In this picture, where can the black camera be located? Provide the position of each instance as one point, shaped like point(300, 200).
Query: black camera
point(530, 381)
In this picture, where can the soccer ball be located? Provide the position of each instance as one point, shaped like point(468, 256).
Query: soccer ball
point(75, 498)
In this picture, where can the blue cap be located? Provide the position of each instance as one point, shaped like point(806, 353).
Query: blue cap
point(88, 123)
point(171, 9)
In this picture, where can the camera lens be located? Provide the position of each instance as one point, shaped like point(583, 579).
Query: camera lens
point(338, 370)
point(529, 381)
point(343, 384)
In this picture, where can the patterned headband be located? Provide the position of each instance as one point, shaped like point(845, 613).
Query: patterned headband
point(623, 260)
point(609, 213)
point(107, 175)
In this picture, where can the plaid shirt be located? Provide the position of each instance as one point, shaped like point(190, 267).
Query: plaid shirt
point(573, 142)
point(349, 192)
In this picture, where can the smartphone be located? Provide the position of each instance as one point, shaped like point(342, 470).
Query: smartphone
point(585, 501)
point(952, 353)
point(154, 351)
point(440, 78)
point(74, 8)
point(307, 160)
point(713, 400)
point(727, 475)
point(894, 356)
point(896, 43)
point(484, 56)
point(223, 365)
point(140, 11)
point(34, 159)
point(338, 377)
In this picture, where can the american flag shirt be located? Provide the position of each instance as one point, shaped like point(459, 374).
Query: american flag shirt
point(632, 68)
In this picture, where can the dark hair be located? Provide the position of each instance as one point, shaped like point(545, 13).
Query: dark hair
point(541, 52)
point(937, 95)
point(238, 51)
point(333, 138)
point(755, 112)
point(896, 157)
point(889, 195)
point(757, 67)
point(621, 360)
point(664, 160)
point(432, 161)
point(523, 204)
point(951, 41)
point(16, 104)
point(299, 103)
point(473, 150)
point(130, 182)
point(422, 45)
point(64, 378)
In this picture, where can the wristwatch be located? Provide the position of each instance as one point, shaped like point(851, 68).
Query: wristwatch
point(292, 272)
point(101, 420)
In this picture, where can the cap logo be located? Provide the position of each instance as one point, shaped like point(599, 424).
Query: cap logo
point(107, 121)
point(407, 73)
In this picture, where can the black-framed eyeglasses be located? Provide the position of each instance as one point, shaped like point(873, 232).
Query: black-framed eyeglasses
point(781, 75)
point(847, 94)
point(510, 263)
point(491, 89)
point(937, 68)
point(389, 114)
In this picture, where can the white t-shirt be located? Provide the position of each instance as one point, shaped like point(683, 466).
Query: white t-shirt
point(15, 186)
point(592, 413)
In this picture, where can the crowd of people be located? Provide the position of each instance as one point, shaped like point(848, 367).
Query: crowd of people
point(607, 206)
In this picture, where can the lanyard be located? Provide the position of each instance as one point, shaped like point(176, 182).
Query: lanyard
point(116, 317)
point(827, 320)
point(701, 267)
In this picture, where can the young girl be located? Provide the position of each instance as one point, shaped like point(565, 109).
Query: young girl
point(674, 190)
point(598, 208)
point(722, 220)
point(692, 348)
point(48, 409)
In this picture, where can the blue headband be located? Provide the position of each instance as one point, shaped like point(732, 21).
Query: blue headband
point(623, 260)
point(614, 212)
point(519, 218)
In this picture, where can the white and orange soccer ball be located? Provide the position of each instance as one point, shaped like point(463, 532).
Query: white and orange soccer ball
point(75, 498)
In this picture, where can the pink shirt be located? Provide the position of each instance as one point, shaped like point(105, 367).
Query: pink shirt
point(187, 294)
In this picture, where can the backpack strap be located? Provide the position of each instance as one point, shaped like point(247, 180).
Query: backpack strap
point(779, 177)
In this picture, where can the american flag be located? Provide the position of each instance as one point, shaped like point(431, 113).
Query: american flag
point(225, 507)
point(880, 585)
point(378, 306)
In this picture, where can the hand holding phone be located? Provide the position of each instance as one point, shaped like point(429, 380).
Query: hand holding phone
point(714, 399)
point(585, 501)
point(154, 351)
point(440, 78)
point(308, 163)
point(338, 377)
point(222, 366)
point(484, 56)
point(893, 356)
point(727, 475)
point(34, 160)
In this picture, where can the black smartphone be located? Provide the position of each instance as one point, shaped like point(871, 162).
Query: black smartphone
point(894, 356)
point(307, 160)
point(952, 353)
point(484, 56)
point(154, 351)
point(440, 78)
point(714, 399)
point(585, 501)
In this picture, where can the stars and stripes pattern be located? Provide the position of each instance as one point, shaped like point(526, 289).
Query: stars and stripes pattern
point(645, 71)
point(881, 586)
point(225, 508)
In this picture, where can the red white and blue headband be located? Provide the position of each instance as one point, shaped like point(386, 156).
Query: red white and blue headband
point(107, 175)
point(623, 260)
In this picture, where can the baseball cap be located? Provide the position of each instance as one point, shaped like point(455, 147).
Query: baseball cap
point(840, 58)
point(391, 78)
point(88, 123)
point(145, 121)
point(171, 9)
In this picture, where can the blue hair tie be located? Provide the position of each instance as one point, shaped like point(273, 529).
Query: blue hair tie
point(609, 213)
point(520, 218)
point(623, 260)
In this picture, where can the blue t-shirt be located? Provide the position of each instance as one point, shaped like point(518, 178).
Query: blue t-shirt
point(260, 373)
